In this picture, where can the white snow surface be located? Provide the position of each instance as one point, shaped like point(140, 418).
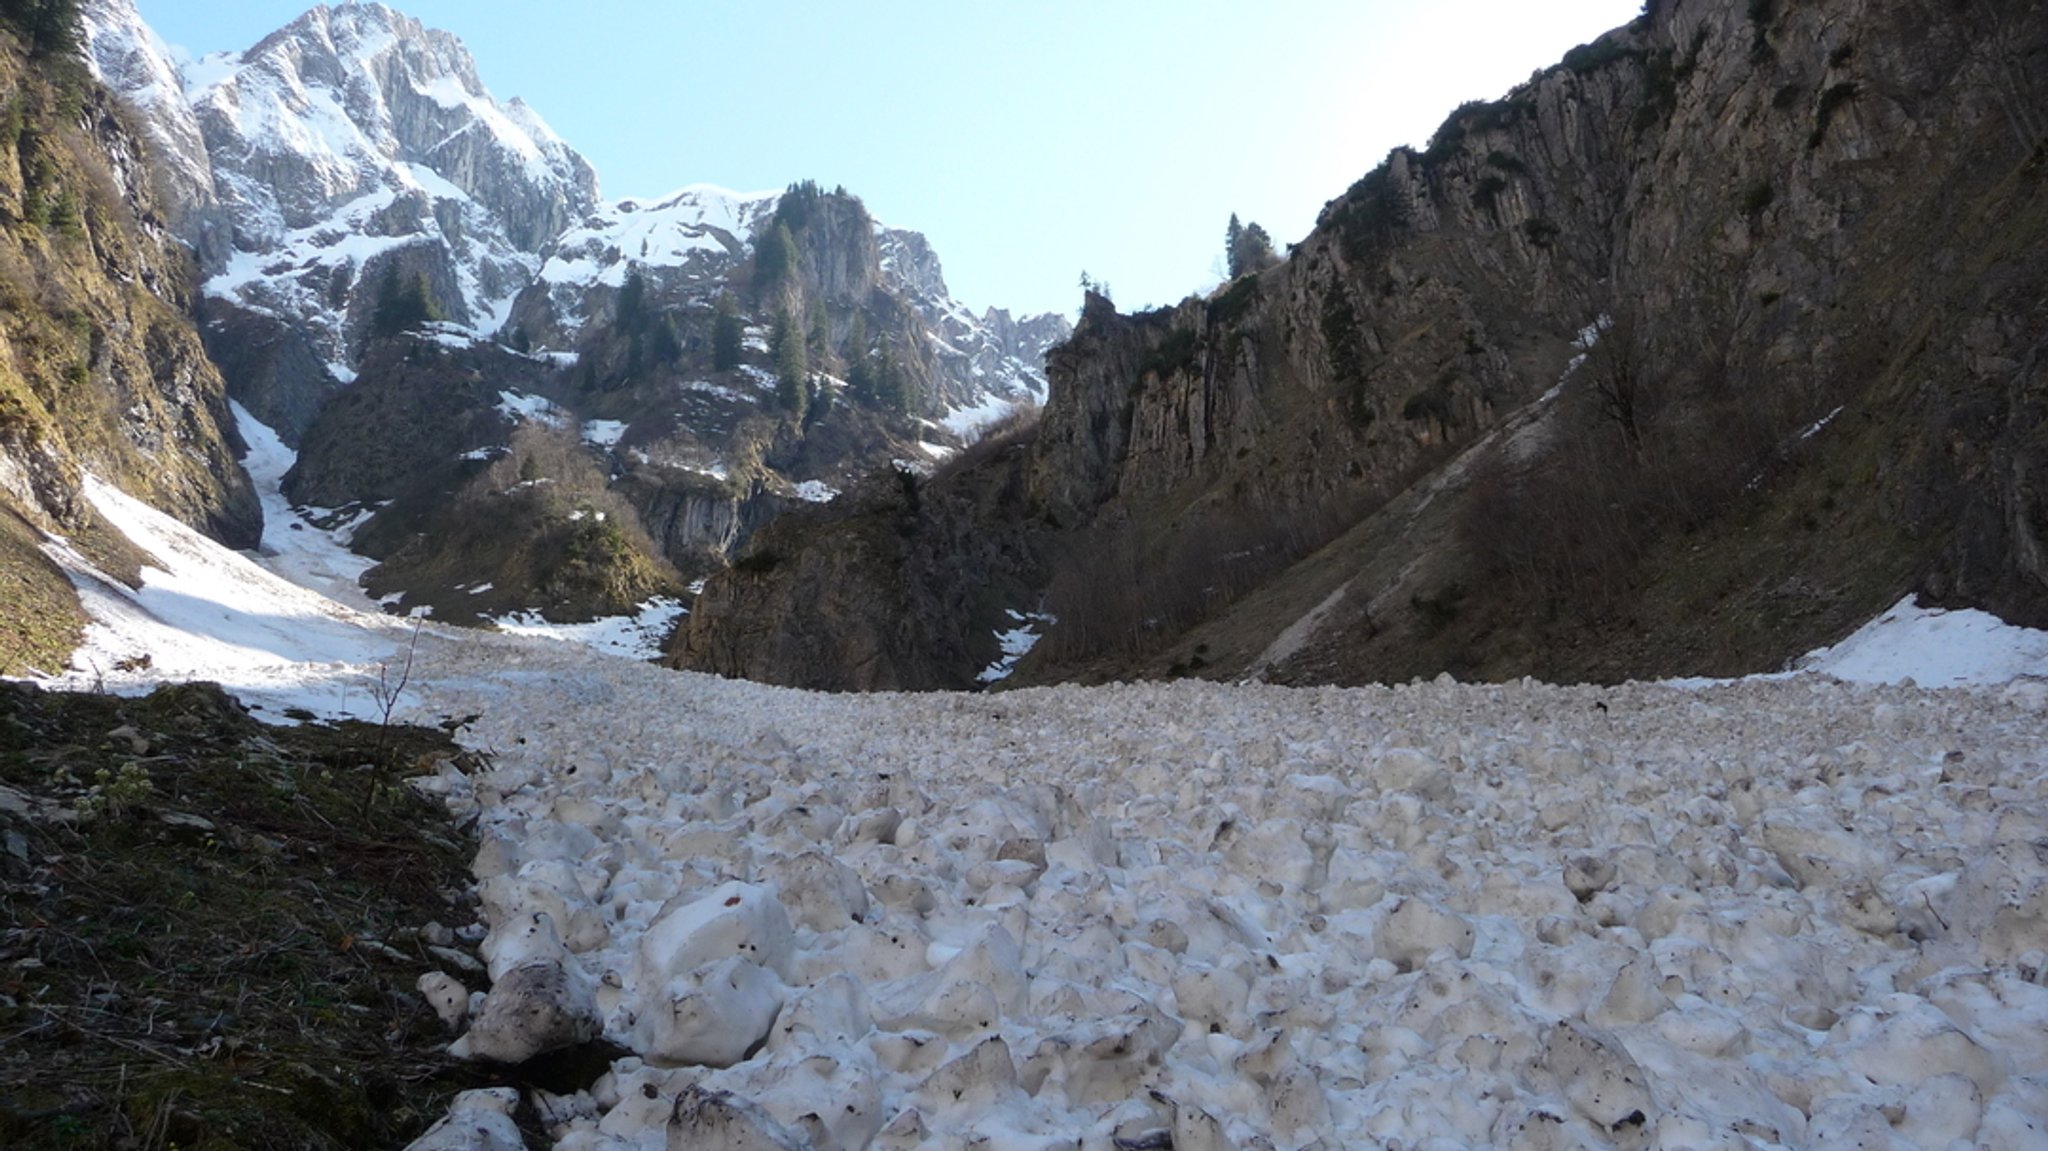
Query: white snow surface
point(292, 546)
point(1794, 912)
point(603, 433)
point(698, 223)
point(1934, 648)
point(204, 612)
point(637, 636)
point(1015, 644)
point(521, 406)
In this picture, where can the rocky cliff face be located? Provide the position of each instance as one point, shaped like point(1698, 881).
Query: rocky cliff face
point(100, 371)
point(133, 61)
point(1725, 331)
point(692, 246)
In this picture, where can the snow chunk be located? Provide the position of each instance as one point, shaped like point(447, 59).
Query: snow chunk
point(1015, 644)
point(638, 636)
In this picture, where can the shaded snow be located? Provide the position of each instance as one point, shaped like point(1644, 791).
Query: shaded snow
point(603, 433)
point(519, 406)
point(293, 547)
point(1015, 644)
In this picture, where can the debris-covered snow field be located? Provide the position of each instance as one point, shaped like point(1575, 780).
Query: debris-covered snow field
point(1795, 912)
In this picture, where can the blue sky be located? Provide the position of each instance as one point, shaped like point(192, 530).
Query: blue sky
point(1029, 140)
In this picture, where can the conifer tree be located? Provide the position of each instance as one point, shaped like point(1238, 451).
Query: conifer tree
point(774, 258)
point(891, 384)
point(404, 303)
point(1248, 248)
point(630, 316)
point(820, 337)
point(792, 365)
point(728, 334)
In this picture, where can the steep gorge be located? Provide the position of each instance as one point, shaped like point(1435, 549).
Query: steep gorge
point(1685, 357)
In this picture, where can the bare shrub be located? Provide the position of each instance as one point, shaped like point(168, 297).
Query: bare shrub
point(1639, 457)
point(1122, 588)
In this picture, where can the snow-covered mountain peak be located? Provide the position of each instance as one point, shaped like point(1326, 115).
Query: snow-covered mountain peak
point(351, 142)
point(322, 108)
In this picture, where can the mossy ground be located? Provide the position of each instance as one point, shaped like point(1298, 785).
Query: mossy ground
point(247, 981)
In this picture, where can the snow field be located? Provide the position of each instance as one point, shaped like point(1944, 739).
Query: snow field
point(1795, 913)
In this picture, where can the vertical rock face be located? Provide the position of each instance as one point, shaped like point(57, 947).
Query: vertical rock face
point(100, 370)
point(1733, 263)
point(130, 59)
point(984, 359)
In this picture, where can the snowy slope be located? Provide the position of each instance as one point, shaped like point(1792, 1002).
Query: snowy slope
point(1786, 912)
point(701, 226)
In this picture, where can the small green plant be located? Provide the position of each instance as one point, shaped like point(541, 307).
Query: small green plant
point(1366, 217)
point(1236, 302)
point(1758, 197)
point(1589, 58)
point(1178, 354)
point(114, 794)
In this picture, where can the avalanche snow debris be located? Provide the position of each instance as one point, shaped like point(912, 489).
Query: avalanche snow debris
point(1346, 915)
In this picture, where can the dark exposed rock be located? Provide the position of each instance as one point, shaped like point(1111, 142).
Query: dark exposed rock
point(895, 586)
point(270, 367)
point(1816, 248)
